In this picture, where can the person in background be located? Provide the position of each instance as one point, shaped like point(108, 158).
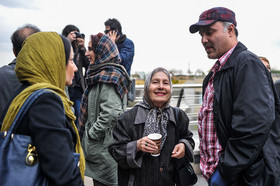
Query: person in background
point(132, 149)
point(277, 82)
point(277, 87)
point(125, 46)
point(238, 123)
point(265, 62)
point(77, 88)
point(9, 82)
point(49, 121)
point(103, 101)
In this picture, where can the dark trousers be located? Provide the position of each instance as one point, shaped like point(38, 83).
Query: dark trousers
point(75, 94)
point(97, 183)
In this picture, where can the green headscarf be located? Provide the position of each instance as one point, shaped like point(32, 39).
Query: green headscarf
point(41, 62)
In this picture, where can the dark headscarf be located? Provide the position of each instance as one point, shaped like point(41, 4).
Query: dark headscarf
point(105, 69)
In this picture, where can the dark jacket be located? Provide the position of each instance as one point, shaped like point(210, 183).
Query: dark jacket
point(139, 168)
point(54, 139)
point(126, 50)
point(277, 86)
point(8, 83)
point(78, 85)
point(244, 113)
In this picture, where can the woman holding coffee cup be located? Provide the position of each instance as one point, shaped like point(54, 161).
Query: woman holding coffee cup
point(145, 144)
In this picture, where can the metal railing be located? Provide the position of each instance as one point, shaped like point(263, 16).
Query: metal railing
point(185, 96)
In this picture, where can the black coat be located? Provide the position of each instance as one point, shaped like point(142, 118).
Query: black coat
point(245, 111)
point(8, 83)
point(53, 138)
point(81, 62)
point(145, 169)
point(277, 86)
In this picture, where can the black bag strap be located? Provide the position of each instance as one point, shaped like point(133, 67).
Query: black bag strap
point(187, 174)
point(24, 108)
point(177, 134)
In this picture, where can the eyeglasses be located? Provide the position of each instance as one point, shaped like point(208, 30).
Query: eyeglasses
point(106, 31)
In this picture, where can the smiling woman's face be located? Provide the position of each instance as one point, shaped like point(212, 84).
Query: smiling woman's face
point(90, 53)
point(160, 89)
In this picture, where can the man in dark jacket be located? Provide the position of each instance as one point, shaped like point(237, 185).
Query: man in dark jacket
point(8, 81)
point(239, 118)
point(76, 89)
point(125, 46)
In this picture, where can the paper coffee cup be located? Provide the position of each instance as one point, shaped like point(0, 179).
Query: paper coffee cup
point(156, 137)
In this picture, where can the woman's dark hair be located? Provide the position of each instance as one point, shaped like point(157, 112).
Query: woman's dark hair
point(67, 47)
point(69, 28)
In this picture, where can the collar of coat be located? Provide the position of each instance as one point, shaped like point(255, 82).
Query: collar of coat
point(142, 113)
point(239, 47)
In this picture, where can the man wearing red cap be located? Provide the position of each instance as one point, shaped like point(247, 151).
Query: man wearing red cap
point(239, 127)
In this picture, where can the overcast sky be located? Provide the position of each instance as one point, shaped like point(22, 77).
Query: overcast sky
point(158, 28)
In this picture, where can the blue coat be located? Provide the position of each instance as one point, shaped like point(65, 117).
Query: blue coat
point(126, 50)
point(246, 112)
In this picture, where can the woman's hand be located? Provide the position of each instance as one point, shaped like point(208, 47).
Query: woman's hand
point(178, 151)
point(146, 145)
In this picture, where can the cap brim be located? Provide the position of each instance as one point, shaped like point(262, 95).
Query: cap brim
point(195, 27)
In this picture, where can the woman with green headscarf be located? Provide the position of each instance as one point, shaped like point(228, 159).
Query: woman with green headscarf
point(46, 61)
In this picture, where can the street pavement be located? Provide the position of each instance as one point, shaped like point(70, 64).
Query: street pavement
point(200, 182)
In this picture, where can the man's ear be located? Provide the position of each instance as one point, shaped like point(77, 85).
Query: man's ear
point(231, 30)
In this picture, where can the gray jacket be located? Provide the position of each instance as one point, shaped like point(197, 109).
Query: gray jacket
point(8, 83)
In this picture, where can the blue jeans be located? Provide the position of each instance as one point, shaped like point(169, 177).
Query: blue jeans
point(217, 180)
point(76, 106)
point(75, 94)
